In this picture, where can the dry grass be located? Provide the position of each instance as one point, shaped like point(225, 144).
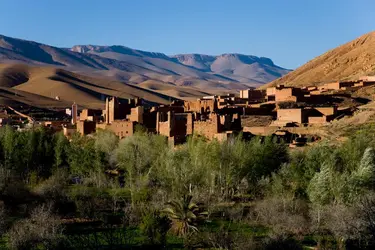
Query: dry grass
point(41, 85)
point(349, 61)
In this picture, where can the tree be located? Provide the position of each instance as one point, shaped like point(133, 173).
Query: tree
point(61, 148)
point(185, 215)
point(106, 143)
point(136, 155)
point(82, 155)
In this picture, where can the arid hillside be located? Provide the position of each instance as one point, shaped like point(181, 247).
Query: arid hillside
point(346, 62)
point(53, 87)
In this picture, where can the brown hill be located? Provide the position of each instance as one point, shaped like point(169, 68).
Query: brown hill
point(52, 87)
point(348, 61)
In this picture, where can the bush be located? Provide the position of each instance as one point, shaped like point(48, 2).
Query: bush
point(281, 243)
point(155, 226)
point(41, 230)
point(284, 217)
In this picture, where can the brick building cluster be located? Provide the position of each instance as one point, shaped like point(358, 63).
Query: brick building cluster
point(212, 116)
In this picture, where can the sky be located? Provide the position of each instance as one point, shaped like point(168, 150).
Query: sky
point(290, 32)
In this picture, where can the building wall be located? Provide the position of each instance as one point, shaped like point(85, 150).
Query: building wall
point(332, 85)
point(189, 124)
point(271, 91)
point(317, 120)
point(115, 110)
point(201, 106)
point(74, 113)
point(367, 78)
point(337, 85)
point(177, 125)
point(327, 110)
point(68, 132)
point(90, 115)
point(288, 95)
point(209, 127)
point(55, 125)
point(291, 115)
point(121, 128)
point(136, 114)
point(86, 127)
point(164, 123)
point(252, 94)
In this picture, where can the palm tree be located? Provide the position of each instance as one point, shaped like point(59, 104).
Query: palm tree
point(185, 215)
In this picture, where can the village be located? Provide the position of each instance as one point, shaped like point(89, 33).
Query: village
point(289, 113)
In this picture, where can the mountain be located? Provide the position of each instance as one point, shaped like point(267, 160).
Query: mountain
point(238, 67)
point(227, 67)
point(51, 87)
point(349, 61)
point(224, 73)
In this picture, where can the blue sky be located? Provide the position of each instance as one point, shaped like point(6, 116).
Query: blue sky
point(290, 32)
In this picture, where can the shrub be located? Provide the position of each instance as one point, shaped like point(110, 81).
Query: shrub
point(41, 230)
point(155, 226)
point(284, 217)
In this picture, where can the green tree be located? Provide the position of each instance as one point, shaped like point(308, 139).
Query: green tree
point(185, 215)
point(61, 148)
point(82, 155)
point(136, 155)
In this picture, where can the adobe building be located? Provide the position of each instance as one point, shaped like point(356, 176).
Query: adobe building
point(253, 95)
point(294, 115)
point(68, 131)
point(121, 128)
point(289, 95)
point(271, 92)
point(90, 115)
point(119, 117)
point(321, 115)
point(209, 126)
point(55, 125)
point(175, 126)
point(74, 113)
point(201, 106)
point(340, 85)
point(367, 78)
point(315, 115)
point(86, 127)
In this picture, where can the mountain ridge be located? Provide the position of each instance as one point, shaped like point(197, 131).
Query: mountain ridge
point(235, 71)
point(348, 61)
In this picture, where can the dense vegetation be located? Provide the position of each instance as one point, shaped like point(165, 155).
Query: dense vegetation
point(98, 193)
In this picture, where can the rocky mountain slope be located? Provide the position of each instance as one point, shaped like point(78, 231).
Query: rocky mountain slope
point(349, 61)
